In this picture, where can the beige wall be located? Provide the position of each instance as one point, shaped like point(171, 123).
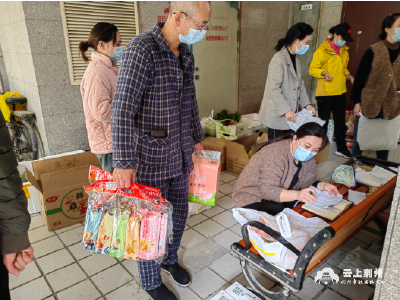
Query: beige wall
point(262, 25)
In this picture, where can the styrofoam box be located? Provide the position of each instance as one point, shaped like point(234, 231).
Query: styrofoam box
point(238, 292)
point(62, 154)
point(222, 295)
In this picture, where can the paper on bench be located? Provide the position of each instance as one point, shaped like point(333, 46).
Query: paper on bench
point(324, 199)
point(357, 197)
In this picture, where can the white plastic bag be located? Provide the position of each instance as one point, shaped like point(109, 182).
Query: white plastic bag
point(208, 125)
point(360, 259)
point(303, 117)
point(272, 251)
point(345, 175)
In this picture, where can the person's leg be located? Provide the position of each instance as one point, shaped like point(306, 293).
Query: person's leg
point(271, 207)
point(106, 162)
point(340, 128)
point(274, 133)
point(4, 287)
point(382, 154)
point(356, 146)
point(255, 206)
point(324, 109)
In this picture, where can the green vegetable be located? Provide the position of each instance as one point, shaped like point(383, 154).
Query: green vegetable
point(344, 175)
point(224, 115)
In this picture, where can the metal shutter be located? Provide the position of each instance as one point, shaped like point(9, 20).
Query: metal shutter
point(79, 19)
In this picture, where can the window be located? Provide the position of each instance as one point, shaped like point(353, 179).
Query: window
point(79, 19)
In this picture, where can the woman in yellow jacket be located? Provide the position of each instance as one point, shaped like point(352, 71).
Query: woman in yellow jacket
point(329, 65)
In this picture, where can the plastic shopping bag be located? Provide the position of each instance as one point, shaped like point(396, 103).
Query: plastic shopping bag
point(345, 175)
point(303, 117)
point(209, 125)
point(204, 179)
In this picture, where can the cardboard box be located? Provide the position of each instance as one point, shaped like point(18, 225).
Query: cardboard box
point(215, 144)
point(230, 128)
point(237, 153)
point(60, 182)
point(323, 156)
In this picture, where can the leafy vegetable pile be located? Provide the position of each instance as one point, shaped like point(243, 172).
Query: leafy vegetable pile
point(224, 115)
point(344, 175)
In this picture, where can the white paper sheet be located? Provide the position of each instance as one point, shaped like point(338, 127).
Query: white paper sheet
point(357, 197)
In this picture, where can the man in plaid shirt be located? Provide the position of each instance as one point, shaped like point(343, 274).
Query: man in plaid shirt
point(156, 126)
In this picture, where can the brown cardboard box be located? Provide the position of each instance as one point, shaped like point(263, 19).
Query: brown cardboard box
point(60, 184)
point(214, 144)
point(237, 153)
point(323, 155)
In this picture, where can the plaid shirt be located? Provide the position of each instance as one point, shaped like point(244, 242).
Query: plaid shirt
point(155, 91)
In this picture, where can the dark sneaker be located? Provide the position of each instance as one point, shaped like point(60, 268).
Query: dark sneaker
point(179, 274)
point(343, 152)
point(161, 293)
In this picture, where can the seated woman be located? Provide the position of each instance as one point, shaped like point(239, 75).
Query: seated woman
point(282, 171)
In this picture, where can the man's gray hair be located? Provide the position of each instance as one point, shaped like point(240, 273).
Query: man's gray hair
point(189, 7)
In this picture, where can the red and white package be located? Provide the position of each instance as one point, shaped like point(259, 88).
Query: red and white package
point(98, 174)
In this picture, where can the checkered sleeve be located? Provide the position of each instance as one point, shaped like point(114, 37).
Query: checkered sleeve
point(196, 126)
point(131, 84)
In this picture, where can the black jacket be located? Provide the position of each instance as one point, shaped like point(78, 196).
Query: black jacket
point(14, 215)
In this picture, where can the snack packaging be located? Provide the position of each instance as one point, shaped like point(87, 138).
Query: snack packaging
point(204, 179)
point(96, 174)
point(104, 235)
point(149, 236)
point(119, 233)
point(132, 237)
point(92, 224)
point(162, 244)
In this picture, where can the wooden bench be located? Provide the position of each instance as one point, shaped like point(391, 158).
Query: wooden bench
point(322, 245)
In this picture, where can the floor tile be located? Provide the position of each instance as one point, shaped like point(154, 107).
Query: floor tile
point(336, 258)
point(237, 229)
point(228, 267)
point(206, 282)
point(358, 291)
point(310, 289)
point(30, 272)
point(39, 234)
point(227, 238)
point(263, 280)
point(85, 290)
point(225, 219)
point(66, 277)
point(36, 221)
point(34, 290)
point(196, 219)
point(68, 228)
point(323, 266)
point(47, 246)
point(73, 236)
point(227, 177)
point(209, 228)
point(131, 291)
point(78, 252)
point(328, 167)
point(321, 174)
point(226, 188)
point(132, 267)
point(353, 244)
point(191, 238)
point(201, 256)
point(213, 211)
point(55, 260)
point(330, 295)
point(179, 292)
point(226, 202)
point(96, 263)
point(363, 237)
point(111, 279)
point(233, 182)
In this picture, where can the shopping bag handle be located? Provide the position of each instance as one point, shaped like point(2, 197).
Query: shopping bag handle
point(270, 232)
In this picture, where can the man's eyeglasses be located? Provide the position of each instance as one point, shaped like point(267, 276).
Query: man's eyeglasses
point(202, 28)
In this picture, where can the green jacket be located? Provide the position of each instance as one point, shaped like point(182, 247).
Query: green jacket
point(14, 215)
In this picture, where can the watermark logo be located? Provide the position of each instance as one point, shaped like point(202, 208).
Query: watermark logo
point(326, 276)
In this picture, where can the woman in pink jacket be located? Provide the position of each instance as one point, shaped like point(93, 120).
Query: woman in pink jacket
point(98, 87)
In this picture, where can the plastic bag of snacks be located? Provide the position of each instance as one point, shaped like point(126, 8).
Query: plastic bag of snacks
point(98, 174)
point(204, 179)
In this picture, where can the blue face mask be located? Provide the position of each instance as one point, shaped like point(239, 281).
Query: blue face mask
point(340, 43)
point(396, 35)
point(303, 50)
point(302, 154)
point(117, 55)
point(193, 36)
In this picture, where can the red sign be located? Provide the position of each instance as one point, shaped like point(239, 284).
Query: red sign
point(51, 199)
point(216, 38)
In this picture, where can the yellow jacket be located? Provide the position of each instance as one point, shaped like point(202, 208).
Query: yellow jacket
point(325, 59)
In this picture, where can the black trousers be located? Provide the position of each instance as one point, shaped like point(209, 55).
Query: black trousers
point(336, 105)
point(4, 288)
point(275, 133)
point(271, 207)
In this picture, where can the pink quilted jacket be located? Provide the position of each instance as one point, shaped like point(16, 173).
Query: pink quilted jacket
point(97, 89)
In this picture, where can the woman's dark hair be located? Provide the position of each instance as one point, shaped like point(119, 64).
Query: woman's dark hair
point(100, 32)
point(297, 31)
point(308, 129)
point(388, 23)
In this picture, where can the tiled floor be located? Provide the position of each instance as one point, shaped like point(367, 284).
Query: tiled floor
point(63, 270)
